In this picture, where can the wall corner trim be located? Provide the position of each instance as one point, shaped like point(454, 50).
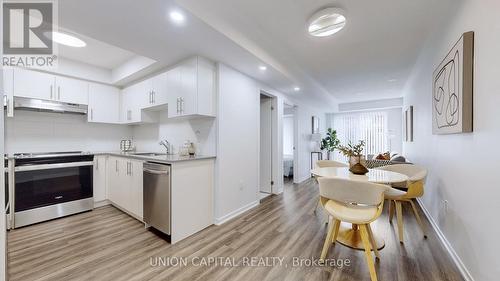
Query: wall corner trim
point(442, 238)
point(235, 213)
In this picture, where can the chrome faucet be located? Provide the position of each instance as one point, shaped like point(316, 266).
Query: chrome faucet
point(166, 144)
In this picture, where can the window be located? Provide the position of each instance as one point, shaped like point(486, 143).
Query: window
point(368, 126)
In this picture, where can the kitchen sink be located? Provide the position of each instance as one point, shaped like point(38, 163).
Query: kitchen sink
point(150, 154)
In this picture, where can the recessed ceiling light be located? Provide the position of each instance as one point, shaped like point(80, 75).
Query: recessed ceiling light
point(326, 22)
point(392, 80)
point(296, 89)
point(68, 40)
point(263, 67)
point(177, 17)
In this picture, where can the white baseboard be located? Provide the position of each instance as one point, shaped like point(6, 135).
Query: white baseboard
point(301, 179)
point(101, 203)
point(235, 213)
point(454, 256)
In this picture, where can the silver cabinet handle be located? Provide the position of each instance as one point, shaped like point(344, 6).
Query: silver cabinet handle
point(130, 169)
point(97, 164)
point(59, 92)
point(150, 97)
point(154, 97)
point(6, 103)
point(51, 91)
point(92, 114)
point(178, 103)
point(116, 165)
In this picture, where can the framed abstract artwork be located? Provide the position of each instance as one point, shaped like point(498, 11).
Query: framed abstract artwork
point(452, 87)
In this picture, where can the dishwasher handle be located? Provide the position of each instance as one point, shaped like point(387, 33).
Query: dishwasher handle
point(156, 172)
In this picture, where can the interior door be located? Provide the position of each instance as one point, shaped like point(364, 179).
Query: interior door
point(265, 144)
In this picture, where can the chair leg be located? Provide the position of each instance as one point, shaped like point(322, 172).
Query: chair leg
point(328, 239)
point(336, 226)
point(374, 244)
point(391, 210)
point(368, 252)
point(399, 215)
point(415, 211)
point(316, 206)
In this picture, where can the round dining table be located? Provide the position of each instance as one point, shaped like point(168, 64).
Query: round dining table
point(350, 236)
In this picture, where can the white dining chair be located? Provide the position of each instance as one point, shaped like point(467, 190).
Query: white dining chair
point(413, 189)
point(354, 202)
point(325, 164)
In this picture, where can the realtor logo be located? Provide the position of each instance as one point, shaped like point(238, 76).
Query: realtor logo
point(27, 33)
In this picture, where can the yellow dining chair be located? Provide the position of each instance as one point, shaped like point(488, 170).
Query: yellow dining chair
point(354, 202)
point(414, 188)
point(324, 164)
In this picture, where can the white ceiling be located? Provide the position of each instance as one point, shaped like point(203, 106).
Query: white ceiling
point(370, 58)
point(95, 53)
point(380, 42)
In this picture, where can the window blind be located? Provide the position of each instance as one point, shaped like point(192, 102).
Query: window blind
point(368, 126)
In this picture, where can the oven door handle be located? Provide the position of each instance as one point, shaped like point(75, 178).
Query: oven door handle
point(53, 166)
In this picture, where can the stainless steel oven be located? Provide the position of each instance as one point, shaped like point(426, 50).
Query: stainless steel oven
point(49, 186)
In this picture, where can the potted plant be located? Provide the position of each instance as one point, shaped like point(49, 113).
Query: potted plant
point(356, 159)
point(330, 143)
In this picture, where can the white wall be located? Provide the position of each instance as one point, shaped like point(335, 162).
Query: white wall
point(237, 172)
point(201, 131)
point(41, 132)
point(463, 168)
point(288, 135)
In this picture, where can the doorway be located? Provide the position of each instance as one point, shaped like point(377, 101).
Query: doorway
point(289, 144)
point(266, 140)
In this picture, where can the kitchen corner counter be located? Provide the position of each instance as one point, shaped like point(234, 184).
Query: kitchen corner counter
point(167, 159)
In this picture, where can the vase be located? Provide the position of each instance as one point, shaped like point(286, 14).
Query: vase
point(357, 165)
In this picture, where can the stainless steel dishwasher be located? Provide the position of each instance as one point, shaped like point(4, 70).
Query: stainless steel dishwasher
point(157, 195)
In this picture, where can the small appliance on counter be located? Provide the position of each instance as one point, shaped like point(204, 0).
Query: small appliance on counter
point(126, 146)
point(187, 149)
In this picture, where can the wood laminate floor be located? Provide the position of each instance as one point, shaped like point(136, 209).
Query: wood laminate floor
point(107, 244)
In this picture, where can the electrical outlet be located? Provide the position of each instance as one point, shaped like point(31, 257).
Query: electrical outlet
point(445, 205)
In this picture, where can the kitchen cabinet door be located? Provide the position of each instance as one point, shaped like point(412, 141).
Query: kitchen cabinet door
point(34, 84)
point(100, 193)
point(174, 87)
point(130, 108)
point(136, 185)
point(159, 91)
point(206, 87)
point(104, 104)
point(117, 191)
point(71, 90)
point(188, 89)
point(8, 90)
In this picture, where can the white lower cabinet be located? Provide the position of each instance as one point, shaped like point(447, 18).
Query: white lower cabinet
point(125, 184)
point(100, 193)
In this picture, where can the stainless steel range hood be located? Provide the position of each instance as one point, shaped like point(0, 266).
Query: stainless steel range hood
point(49, 106)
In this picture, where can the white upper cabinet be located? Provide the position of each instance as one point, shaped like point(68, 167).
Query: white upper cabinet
point(193, 88)
point(134, 99)
point(159, 89)
point(45, 86)
point(34, 84)
point(71, 90)
point(104, 104)
point(8, 91)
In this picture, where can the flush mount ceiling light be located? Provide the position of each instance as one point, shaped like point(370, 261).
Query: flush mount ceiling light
point(177, 17)
point(263, 67)
point(68, 40)
point(296, 89)
point(326, 22)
